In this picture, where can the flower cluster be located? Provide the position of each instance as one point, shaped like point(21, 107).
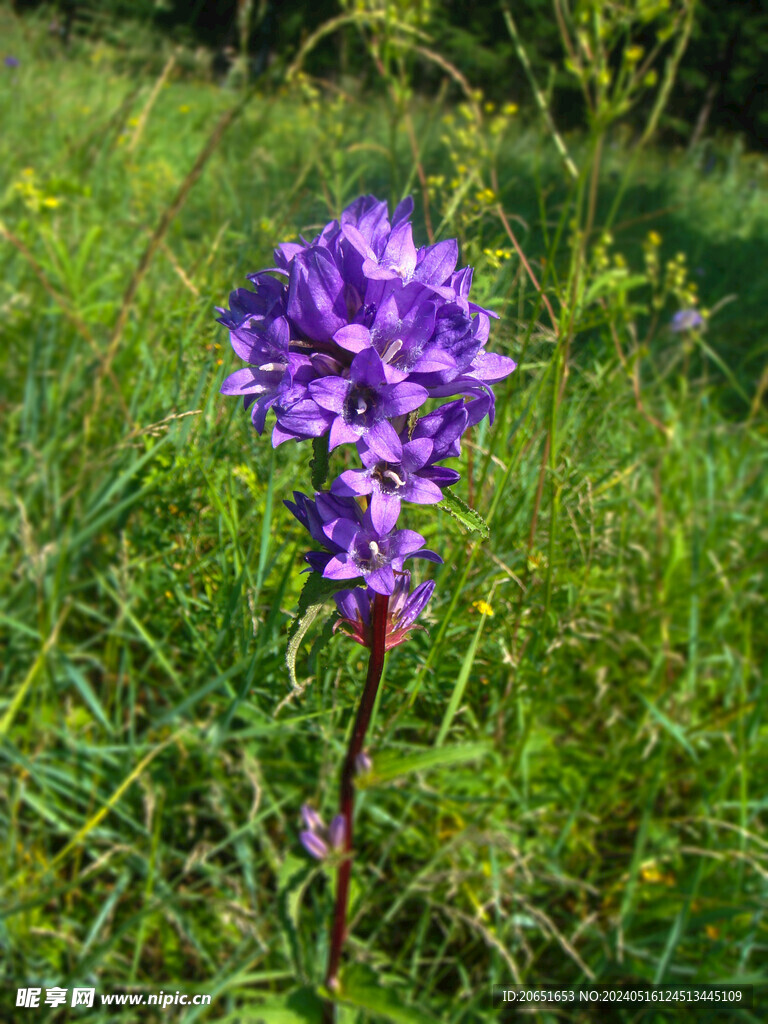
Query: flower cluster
point(348, 335)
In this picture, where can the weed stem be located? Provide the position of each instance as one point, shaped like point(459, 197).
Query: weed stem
point(347, 792)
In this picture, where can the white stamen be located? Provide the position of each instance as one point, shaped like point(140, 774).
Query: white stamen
point(361, 406)
point(394, 477)
point(374, 548)
point(391, 351)
point(271, 367)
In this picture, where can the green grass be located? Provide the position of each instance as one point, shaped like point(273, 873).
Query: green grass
point(605, 819)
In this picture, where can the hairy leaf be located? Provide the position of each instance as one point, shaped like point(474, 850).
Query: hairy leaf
point(318, 464)
point(459, 510)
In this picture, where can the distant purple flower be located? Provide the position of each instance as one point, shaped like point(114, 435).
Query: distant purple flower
point(12, 62)
point(318, 840)
point(686, 320)
point(404, 608)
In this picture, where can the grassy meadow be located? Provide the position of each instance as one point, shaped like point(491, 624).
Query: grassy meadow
point(571, 763)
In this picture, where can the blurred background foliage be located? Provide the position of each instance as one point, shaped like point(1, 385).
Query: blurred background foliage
point(723, 76)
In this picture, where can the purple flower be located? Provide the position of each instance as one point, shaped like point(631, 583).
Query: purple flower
point(354, 608)
point(12, 62)
point(364, 551)
point(313, 515)
point(363, 404)
point(319, 841)
point(686, 320)
point(353, 546)
point(412, 477)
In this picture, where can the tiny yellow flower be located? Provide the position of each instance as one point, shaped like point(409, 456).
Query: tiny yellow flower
point(484, 608)
point(510, 109)
point(28, 172)
point(184, 108)
point(51, 202)
point(650, 873)
point(633, 54)
point(654, 238)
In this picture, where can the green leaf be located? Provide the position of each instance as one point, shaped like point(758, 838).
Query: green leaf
point(615, 280)
point(390, 765)
point(318, 464)
point(86, 692)
point(362, 987)
point(674, 730)
point(461, 683)
point(293, 878)
point(459, 510)
point(316, 592)
point(299, 1006)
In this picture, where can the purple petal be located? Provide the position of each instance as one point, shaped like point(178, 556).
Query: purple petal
point(367, 369)
point(342, 532)
point(249, 381)
point(400, 252)
point(491, 368)
point(403, 211)
point(431, 556)
point(304, 419)
point(337, 832)
point(311, 818)
point(437, 262)
point(354, 604)
point(353, 337)
point(316, 294)
point(382, 580)
point(314, 845)
point(422, 491)
point(434, 360)
point(285, 252)
point(330, 392)
point(403, 398)
point(440, 475)
point(341, 567)
point(416, 453)
point(382, 439)
point(416, 604)
point(341, 433)
point(405, 542)
point(355, 239)
point(353, 483)
point(385, 508)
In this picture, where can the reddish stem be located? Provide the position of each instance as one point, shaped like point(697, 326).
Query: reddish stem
point(379, 614)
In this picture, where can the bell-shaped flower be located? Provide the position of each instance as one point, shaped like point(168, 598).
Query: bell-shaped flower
point(363, 404)
point(367, 553)
point(354, 607)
